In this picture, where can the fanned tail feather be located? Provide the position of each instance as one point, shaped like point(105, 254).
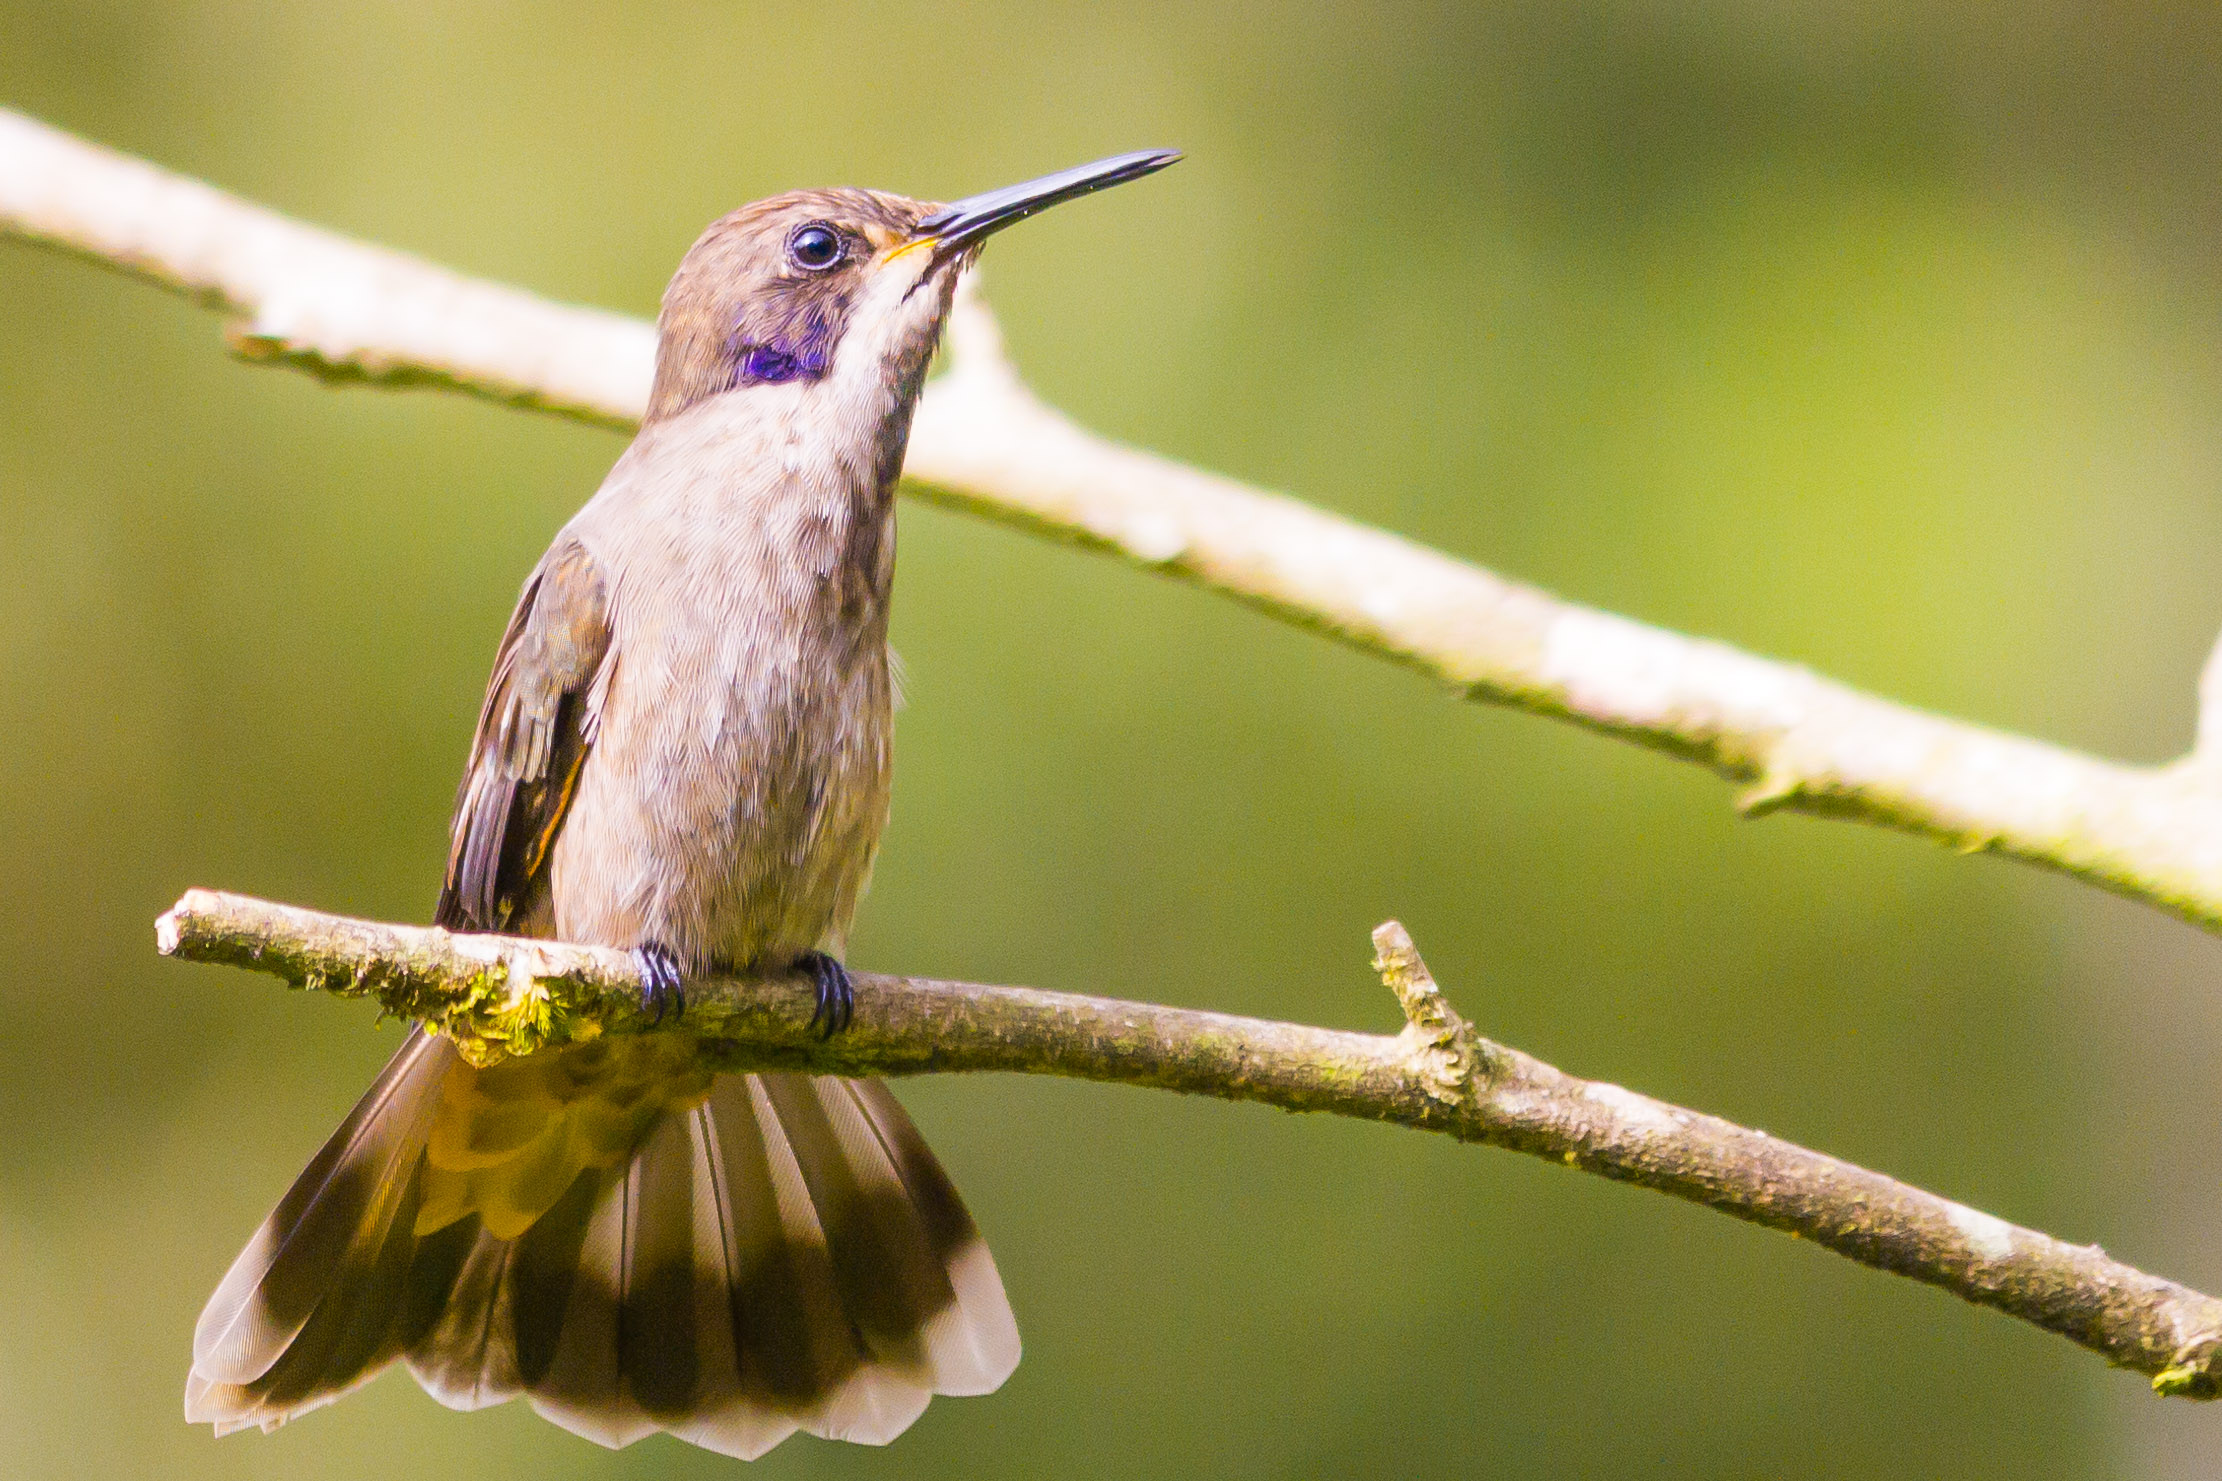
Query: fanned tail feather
point(780, 1252)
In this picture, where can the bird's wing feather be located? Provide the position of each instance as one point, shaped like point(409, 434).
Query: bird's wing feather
point(534, 731)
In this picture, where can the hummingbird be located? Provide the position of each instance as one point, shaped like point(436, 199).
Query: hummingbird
point(684, 752)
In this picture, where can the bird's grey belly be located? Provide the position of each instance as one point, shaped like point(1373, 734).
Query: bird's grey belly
point(731, 805)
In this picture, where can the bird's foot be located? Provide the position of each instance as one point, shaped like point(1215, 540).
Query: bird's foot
point(836, 1004)
point(661, 985)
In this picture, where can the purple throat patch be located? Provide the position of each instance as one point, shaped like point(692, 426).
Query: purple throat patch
point(802, 356)
point(772, 364)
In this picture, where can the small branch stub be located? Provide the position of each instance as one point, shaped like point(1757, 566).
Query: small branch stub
point(1446, 1050)
point(2206, 746)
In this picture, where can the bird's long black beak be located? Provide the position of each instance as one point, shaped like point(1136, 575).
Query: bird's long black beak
point(953, 228)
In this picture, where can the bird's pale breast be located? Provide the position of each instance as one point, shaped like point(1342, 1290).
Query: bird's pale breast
point(737, 784)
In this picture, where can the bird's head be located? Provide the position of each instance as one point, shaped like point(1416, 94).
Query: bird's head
point(837, 286)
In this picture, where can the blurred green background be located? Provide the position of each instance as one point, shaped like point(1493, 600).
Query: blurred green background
point(1882, 337)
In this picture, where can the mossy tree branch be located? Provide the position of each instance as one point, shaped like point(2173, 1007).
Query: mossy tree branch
point(498, 995)
point(983, 443)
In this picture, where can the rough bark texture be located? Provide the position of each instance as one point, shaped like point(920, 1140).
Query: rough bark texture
point(347, 311)
point(499, 995)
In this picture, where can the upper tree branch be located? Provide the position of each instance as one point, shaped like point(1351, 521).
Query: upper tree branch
point(982, 442)
point(495, 995)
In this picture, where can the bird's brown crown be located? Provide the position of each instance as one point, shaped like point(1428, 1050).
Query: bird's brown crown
point(767, 292)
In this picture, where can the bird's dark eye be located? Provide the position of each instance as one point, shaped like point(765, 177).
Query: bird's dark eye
point(815, 247)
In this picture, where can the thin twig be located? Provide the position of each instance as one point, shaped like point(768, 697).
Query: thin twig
point(983, 443)
point(500, 995)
